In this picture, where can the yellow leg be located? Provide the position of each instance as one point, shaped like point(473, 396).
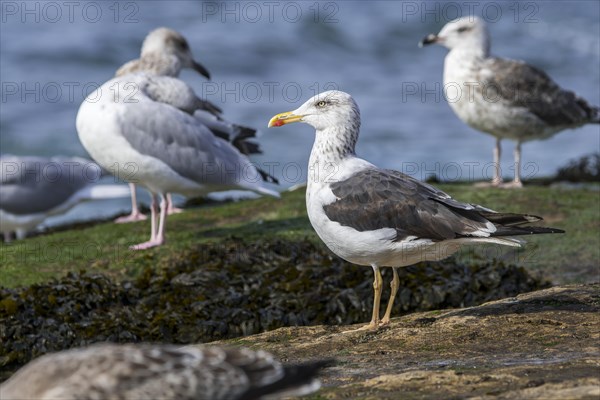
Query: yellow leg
point(395, 284)
point(377, 288)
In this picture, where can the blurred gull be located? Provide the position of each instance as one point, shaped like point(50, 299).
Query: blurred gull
point(34, 188)
point(505, 98)
point(166, 52)
point(149, 124)
point(383, 218)
point(167, 372)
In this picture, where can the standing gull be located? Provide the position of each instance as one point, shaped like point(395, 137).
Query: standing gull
point(142, 371)
point(166, 52)
point(505, 98)
point(149, 124)
point(35, 188)
point(383, 218)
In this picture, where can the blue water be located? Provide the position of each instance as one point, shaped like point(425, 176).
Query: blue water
point(269, 57)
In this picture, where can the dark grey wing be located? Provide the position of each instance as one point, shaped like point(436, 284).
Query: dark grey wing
point(37, 185)
point(375, 199)
point(523, 85)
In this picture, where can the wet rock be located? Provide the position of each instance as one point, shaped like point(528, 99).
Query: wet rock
point(539, 345)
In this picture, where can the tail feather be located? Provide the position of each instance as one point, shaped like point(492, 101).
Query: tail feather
point(297, 380)
point(243, 132)
point(510, 219)
point(595, 115)
point(591, 112)
point(524, 230)
point(239, 138)
point(266, 177)
point(247, 147)
point(237, 135)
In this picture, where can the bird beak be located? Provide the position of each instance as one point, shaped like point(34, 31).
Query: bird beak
point(285, 118)
point(429, 39)
point(200, 69)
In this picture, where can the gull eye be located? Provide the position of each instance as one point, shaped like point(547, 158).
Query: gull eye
point(463, 29)
point(183, 45)
point(321, 104)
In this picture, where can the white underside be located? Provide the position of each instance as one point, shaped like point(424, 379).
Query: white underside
point(377, 247)
point(99, 127)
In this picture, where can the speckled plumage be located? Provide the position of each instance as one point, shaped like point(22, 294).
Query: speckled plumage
point(142, 371)
point(508, 99)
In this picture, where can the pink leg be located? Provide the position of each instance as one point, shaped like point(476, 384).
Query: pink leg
point(156, 237)
point(160, 236)
point(516, 182)
point(135, 215)
point(497, 180)
point(153, 217)
point(171, 209)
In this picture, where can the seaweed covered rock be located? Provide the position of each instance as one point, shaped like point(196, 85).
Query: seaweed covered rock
point(230, 289)
point(583, 169)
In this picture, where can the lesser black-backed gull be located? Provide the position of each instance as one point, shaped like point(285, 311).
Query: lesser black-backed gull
point(146, 133)
point(35, 188)
point(383, 218)
point(166, 52)
point(504, 98)
point(166, 372)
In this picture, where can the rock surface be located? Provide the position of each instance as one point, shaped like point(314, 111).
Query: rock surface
point(538, 345)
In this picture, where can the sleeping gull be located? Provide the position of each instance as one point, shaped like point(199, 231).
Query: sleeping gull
point(143, 371)
point(166, 52)
point(505, 98)
point(35, 188)
point(383, 218)
point(149, 125)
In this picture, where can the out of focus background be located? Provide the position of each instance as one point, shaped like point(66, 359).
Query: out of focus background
point(269, 57)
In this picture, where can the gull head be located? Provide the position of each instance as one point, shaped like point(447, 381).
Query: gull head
point(469, 32)
point(325, 110)
point(167, 42)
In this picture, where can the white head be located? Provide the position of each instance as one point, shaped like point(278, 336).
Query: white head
point(167, 42)
point(334, 115)
point(468, 33)
point(325, 110)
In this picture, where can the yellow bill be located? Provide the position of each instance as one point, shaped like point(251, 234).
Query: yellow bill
point(284, 118)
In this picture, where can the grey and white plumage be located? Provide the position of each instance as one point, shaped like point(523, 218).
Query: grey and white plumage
point(35, 188)
point(505, 98)
point(166, 52)
point(149, 125)
point(143, 371)
point(383, 218)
